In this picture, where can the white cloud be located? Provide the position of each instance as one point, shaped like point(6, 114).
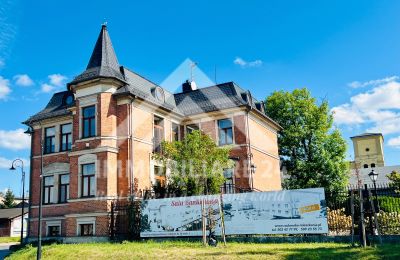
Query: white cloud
point(378, 107)
point(46, 88)
point(4, 88)
point(245, 64)
point(395, 142)
point(5, 163)
point(375, 82)
point(346, 114)
point(55, 82)
point(14, 139)
point(57, 79)
point(23, 80)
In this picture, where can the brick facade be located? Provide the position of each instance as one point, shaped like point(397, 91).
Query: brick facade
point(121, 146)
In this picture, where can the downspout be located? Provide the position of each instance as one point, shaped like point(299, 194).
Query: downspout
point(131, 168)
point(128, 163)
point(249, 107)
point(30, 187)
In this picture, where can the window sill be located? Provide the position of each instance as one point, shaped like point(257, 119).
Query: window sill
point(49, 154)
point(221, 145)
point(89, 138)
point(87, 197)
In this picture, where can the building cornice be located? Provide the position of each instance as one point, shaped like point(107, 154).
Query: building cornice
point(95, 150)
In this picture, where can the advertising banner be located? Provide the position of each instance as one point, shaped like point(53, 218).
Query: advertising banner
point(276, 212)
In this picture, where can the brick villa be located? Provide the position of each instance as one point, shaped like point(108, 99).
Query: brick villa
point(98, 137)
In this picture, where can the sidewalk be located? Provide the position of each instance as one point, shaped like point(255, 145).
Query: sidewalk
point(4, 249)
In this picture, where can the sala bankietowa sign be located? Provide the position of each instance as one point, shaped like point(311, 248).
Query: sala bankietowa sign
point(277, 212)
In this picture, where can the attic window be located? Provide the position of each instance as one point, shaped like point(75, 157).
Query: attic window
point(367, 149)
point(158, 93)
point(69, 99)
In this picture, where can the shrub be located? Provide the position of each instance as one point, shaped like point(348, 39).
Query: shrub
point(338, 222)
point(389, 223)
point(389, 204)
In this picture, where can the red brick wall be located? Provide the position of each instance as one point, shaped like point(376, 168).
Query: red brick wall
point(123, 145)
point(240, 129)
point(209, 128)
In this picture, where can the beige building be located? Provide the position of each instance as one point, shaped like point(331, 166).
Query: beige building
point(368, 156)
point(368, 150)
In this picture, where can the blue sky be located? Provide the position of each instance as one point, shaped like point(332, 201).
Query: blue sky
point(347, 52)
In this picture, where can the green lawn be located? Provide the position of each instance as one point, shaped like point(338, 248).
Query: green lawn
point(9, 239)
point(191, 250)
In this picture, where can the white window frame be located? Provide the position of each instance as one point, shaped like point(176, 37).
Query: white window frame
point(217, 130)
point(87, 159)
point(87, 102)
point(179, 131)
point(51, 224)
point(55, 170)
point(86, 220)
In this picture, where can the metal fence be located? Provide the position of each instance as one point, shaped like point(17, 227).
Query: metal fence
point(377, 210)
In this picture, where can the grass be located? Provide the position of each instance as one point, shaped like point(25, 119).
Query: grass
point(192, 250)
point(9, 239)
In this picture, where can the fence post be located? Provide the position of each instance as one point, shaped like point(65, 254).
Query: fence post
point(221, 212)
point(363, 239)
point(375, 220)
point(112, 221)
point(352, 216)
point(203, 218)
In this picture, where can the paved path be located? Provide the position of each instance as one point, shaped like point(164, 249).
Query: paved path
point(4, 249)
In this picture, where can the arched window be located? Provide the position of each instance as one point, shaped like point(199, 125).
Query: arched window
point(372, 165)
point(365, 165)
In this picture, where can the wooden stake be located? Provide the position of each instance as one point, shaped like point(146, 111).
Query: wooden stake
point(221, 213)
point(203, 219)
point(352, 216)
point(363, 235)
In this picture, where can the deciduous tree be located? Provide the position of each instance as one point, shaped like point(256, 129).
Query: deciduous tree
point(313, 152)
point(196, 164)
point(394, 178)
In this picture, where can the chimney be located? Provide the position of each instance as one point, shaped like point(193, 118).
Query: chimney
point(188, 86)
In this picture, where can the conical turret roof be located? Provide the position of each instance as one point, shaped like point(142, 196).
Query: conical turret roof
point(103, 63)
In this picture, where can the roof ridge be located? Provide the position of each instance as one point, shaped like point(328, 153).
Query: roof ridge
point(216, 85)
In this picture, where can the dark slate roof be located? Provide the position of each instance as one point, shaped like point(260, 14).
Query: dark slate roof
point(143, 88)
point(11, 213)
point(55, 107)
point(103, 63)
point(367, 134)
point(213, 98)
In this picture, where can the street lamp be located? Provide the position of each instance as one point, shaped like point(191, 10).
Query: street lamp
point(30, 131)
point(374, 177)
point(21, 165)
point(253, 169)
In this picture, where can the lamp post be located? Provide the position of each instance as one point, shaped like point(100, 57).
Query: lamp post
point(253, 169)
point(21, 165)
point(30, 131)
point(374, 177)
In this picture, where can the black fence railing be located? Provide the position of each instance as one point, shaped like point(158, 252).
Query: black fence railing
point(378, 209)
point(228, 188)
point(347, 211)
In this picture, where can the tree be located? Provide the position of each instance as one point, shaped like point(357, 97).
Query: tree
point(8, 200)
point(394, 178)
point(196, 164)
point(313, 152)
